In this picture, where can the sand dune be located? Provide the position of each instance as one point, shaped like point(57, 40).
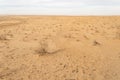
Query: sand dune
point(59, 48)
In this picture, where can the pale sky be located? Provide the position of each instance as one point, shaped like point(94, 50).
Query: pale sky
point(60, 7)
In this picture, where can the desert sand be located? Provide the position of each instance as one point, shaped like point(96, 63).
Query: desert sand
point(59, 48)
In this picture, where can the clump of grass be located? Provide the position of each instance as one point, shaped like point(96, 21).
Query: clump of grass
point(47, 47)
point(43, 49)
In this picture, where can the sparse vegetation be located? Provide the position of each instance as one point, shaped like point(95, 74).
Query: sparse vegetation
point(45, 49)
point(37, 49)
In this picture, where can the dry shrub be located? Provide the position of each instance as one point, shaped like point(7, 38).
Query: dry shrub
point(48, 47)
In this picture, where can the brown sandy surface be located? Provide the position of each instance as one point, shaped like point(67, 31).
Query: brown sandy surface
point(59, 48)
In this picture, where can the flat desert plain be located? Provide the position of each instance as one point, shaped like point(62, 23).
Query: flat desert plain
point(59, 48)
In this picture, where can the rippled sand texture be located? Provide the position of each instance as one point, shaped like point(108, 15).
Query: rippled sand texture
point(59, 48)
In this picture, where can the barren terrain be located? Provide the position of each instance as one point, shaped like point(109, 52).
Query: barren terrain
point(59, 48)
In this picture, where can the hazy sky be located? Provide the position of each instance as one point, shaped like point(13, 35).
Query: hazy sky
point(60, 7)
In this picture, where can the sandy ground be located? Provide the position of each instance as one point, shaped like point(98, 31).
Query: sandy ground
point(59, 48)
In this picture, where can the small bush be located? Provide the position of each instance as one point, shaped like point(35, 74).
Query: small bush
point(48, 47)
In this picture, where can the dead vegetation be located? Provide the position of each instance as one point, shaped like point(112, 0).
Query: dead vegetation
point(47, 47)
point(37, 49)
